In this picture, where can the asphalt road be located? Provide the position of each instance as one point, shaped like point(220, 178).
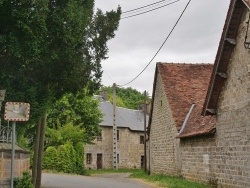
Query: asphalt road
point(102, 181)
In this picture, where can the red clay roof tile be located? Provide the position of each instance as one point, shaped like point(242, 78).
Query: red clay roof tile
point(184, 85)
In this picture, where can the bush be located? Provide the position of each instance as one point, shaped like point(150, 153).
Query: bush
point(66, 158)
point(24, 182)
point(50, 158)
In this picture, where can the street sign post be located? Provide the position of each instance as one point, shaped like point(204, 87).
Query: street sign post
point(15, 111)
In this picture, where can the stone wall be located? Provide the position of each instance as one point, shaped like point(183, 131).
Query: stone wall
point(163, 144)
point(21, 164)
point(128, 147)
point(224, 160)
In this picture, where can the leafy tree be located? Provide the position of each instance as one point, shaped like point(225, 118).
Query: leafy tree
point(48, 48)
point(80, 111)
point(64, 149)
point(126, 97)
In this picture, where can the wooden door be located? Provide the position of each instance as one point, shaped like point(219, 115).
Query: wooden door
point(99, 161)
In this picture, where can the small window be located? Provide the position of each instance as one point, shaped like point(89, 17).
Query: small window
point(141, 139)
point(118, 158)
point(99, 137)
point(89, 158)
point(118, 136)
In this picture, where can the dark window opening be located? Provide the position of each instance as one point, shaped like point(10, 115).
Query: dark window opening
point(141, 139)
point(89, 158)
point(99, 137)
point(118, 136)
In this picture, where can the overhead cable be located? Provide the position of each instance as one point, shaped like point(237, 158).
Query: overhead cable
point(136, 9)
point(160, 46)
point(150, 10)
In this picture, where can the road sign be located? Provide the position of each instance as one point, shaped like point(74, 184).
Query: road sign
point(17, 111)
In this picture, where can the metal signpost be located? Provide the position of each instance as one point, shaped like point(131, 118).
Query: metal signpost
point(15, 111)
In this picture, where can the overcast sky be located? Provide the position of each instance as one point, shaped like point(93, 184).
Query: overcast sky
point(194, 40)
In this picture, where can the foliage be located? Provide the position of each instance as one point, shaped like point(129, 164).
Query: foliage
point(50, 158)
point(126, 97)
point(81, 111)
point(64, 149)
point(64, 158)
point(24, 181)
point(49, 48)
point(66, 133)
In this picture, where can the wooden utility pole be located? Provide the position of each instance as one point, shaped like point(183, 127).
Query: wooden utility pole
point(115, 165)
point(145, 127)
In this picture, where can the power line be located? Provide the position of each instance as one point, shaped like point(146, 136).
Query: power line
point(150, 10)
point(160, 46)
point(144, 6)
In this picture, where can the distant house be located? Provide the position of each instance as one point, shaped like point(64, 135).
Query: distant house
point(130, 139)
point(212, 138)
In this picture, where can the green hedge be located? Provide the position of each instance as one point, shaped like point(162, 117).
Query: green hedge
point(66, 158)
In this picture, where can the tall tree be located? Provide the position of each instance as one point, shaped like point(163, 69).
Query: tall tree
point(48, 48)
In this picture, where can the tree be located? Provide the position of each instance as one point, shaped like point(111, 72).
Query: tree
point(78, 109)
point(48, 48)
point(127, 97)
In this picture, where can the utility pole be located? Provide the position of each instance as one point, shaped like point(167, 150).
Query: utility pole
point(145, 126)
point(115, 165)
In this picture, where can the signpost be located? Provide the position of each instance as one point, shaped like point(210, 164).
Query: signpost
point(15, 111)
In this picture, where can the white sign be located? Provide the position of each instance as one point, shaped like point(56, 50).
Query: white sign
point(17, 111)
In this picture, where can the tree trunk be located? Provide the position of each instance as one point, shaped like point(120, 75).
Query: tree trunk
point(41, 151)
point(36, 148)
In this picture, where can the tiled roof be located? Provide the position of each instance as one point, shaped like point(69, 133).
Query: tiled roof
point(198, 124)
point(184, 85)
point(225, 49)
point(128, 118)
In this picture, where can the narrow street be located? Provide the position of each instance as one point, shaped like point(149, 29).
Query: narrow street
point(101, 181)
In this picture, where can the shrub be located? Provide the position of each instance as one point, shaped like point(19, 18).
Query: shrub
point(24, 182)
point(50, 158)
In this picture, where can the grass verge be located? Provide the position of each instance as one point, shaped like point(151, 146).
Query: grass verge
point(158, 179)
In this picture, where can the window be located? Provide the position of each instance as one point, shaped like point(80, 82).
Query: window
point(99, 137)
point(118, 158)
point(89, 158)
point(118, 136)
point(141, 139)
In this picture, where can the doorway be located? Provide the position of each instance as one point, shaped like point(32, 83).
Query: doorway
point(99, 161)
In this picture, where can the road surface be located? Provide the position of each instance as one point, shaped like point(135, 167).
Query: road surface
point(101, 181)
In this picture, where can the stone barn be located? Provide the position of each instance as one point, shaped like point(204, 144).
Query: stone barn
point(212, 141)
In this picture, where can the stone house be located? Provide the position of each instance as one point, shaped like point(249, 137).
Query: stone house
point(210, 141)
point(130, 139)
